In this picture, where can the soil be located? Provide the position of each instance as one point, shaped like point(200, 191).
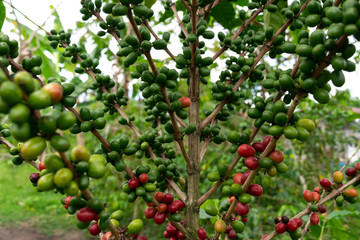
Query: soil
point(26, 232)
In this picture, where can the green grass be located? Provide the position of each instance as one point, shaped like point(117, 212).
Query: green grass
point(19, 201)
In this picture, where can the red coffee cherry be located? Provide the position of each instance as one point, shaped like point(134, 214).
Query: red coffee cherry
point(280, 227)
point(314, 219)
point(245, 150)
point(251, 163)
point(325, 183)
point(308, 196)
point(292, 225)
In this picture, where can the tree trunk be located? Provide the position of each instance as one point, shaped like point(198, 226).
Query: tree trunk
point(193, 171)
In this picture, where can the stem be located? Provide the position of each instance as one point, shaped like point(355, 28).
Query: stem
point(9, 145)
point(25, 16)
point(206, 143)
point(349, 160)
point(243, 27)
point(186, 5)
point(156, 37)
point(181, 24)
point(193, 170)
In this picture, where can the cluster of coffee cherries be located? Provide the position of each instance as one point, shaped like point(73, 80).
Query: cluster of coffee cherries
point(140, 186)
point(167, 205)
point(273, 164)
point(293, 226)
point(172, 233)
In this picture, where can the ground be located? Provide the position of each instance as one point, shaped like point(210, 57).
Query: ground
point(26, 232)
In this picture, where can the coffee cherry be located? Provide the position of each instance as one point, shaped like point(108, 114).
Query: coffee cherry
point(171, 230)
point(338, 177)
point(185, 102)
point(180, 236)
point(322, 209)
point(172, 208)
point(179, 204)
point(166, 234)
point(143, 178)
point(94, 229)
point(150, 212)
point(314, 219)
point(220, 226)
point(201, 233)
point(232, 234)
point(277, 156)
point(263, 237)
point(316, 196)
point(325, 183)
point(244, 177)
point(258, 146)
point(285, 219)
point(245, 150)
point(350, 172)
point(162, 208)
point(350, 193)
point(298, 221)
point(141, 238)
point(168, 198)
point(292, 225)
point(266, 142)
point(244, 219)
point(34, 177)
point(242, 209)
point(42, 166)
point(277, 220)
point(317, 189)
point(255, 190)
point(280, 227)
point(133, 183)
point(251, 163)
point(357, 166)
point(159, 218)
point(308, 196)
point(159, 196)
point(237, 178)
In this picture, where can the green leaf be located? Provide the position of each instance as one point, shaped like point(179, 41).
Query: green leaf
point(242, 3)
point(276, 19)
point(48, 67)
point(204, 215)
point(57, 21)
point(224, 13)
point(342, 213)
point(352, 117)
point(135, 90)
point(2, 14)
point(149, 3)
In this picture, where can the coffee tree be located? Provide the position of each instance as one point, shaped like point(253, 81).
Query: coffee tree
point(286, 51)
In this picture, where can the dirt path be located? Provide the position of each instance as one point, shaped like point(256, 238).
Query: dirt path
point(25, 232)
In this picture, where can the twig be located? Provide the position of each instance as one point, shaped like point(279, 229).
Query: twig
point(26, 16)
point(322, 201)
point(349, 160)
point(206, 11)
point(186, 5)
point(206, 143)
point(181, 24)
point(178, 136)
point(264, 50)
point(243, 27)
point(156, 37)
point(9, 145)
